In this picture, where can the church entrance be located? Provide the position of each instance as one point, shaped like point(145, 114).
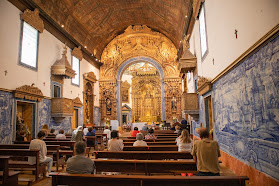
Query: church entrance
point(25, 119)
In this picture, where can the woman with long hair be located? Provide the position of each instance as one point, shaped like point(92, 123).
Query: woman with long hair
point(184, 142)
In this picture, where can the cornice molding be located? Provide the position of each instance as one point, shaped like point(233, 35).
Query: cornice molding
point(33, 18)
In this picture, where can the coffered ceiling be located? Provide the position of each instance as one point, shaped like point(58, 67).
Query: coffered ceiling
point(94, 23)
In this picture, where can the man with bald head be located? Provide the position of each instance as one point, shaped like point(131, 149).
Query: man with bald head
point(206, 152)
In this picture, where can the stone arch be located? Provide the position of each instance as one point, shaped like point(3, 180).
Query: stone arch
point(120, 72)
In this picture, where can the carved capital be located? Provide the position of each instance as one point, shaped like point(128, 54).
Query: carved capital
point(204, 85)
point(33, 18)
point(77, 53)
point(29, 92)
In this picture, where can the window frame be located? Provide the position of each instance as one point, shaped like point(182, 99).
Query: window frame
point(60, 86)
point(20, 48)
point(203, 56)
point(78, 85)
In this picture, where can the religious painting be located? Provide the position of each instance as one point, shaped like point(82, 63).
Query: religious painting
point(108, 106)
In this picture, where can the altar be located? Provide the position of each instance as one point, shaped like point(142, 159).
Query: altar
point(139, 125)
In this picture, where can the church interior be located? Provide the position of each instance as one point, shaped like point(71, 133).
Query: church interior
point(130, 63)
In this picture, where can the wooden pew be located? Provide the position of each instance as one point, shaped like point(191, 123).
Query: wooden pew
point(149, 140)
point(117, 180)
point(151, 148)
point(93, 141)
point(145, 166)
point(54, 139)
point(24, 165)
point(70, 144)
point(50, 150)
point(143, 155)
point(7, 177)
point(152, 143)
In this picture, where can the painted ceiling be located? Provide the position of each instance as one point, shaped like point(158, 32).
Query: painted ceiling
point(94, 23)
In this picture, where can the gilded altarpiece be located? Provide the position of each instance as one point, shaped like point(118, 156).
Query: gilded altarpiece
point(146, 96)
point(88, 97)
point(136, 41)
point(125, 87)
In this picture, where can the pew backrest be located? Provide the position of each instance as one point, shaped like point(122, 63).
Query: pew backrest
point(151, 148)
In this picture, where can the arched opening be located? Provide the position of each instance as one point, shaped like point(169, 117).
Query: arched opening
point(147, 90)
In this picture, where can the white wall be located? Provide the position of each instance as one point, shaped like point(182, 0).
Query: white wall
point(129, 80)
point(50, 50)
point(252, 19)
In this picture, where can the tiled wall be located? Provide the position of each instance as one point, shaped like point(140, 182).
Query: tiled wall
point(6, 127)
point(246, 110)
point(97, 116)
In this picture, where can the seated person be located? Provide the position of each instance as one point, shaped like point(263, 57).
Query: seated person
point(40, 145)
point(77, 134)
point(172, 126)
point(80, 164)
point(52, 132)
point(21, 136)
point(150, 134)
point(61, 135)
point(139, 141)
point(184, 142)
point(135, 131)
point(107, 131)
point(177, 128)
point(115, 144)
point(91, 132)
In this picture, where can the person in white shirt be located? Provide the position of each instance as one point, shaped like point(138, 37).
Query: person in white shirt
point(139, 141)
point(41, 145)
point(184, 142)
point(107, 131)
point(115, 144)
point(61, 135)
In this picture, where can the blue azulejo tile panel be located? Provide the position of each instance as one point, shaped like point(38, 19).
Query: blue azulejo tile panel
point(97, 116)
point(66, 125)
point(44, 113)
point(80, 116)
point(246, 108)
point(6, 128)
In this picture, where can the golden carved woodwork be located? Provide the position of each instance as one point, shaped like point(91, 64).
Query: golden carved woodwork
point(62, 67)
point(146, 97)
point(190, 102)
point(88, 97)
point(28, 92)
point(77, 102)
point(95, 23)
point(108, 100)
point(61, 108)
point(138, 40)
point(173, 97)
point(204, 85)
point(77, 53)
point(196, 7)
point(125, 87)
point(33, 19)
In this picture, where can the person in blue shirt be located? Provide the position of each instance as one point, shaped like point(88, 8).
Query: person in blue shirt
point(90, 132)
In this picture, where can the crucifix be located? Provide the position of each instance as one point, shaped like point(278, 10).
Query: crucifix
point(235, 32)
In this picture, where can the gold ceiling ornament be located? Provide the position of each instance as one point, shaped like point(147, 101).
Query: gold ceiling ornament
point(62, 66)
point(33, 18)
point(29, 92)
point(146, 70)
point(77, 53)
point(125, 87)
point(138, 40)
point(196, 7)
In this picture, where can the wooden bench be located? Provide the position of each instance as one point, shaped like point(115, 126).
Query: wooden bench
point(152, 143)
point(151, 148)
point(69, 144)
point(146, 166)
point(149, 140)
point(50, 150)
point(54, 139)
point(39, 168)
point(92, 139)
point(117, 180)
point(143, 155)
point(7, 177)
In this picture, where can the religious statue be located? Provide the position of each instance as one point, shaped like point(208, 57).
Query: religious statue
point(173, 104)
point(108, 106)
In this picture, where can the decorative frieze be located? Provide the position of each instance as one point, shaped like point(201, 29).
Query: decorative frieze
point(204, 85)
point(33, 18)
point(29, 92)
point(77, 102)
